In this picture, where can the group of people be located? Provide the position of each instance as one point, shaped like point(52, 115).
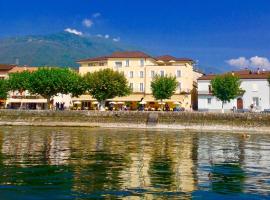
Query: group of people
point(60, 106)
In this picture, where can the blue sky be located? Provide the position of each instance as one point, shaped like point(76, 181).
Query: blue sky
point(218, 34)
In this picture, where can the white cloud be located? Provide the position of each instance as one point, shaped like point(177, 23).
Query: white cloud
point(73, 31)
point(106, 36)
point(238, 62)
point(96, 15)
point(253, 62)
point(99, 35)
point(116, 39)
point(87, 23)
point(262, 62)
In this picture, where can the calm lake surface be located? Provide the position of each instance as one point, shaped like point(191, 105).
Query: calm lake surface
point(80, 163)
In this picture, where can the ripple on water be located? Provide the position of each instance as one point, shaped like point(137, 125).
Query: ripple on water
point(81, 163)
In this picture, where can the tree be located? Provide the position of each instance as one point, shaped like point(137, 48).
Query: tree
point(106, 84)
point(163, 87)
point(19, 81)
point(49, 82)
point(3, 89)
point(226, 87)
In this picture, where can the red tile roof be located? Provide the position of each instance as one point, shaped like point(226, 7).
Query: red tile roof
point(243, 74)
point(167, 58)
point(129, 54)
point(21, 69)
point(6, 67)
point(135, 54)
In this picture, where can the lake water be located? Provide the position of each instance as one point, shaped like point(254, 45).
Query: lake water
point(80, 163)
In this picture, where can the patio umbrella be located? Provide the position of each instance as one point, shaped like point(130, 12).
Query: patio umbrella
point(120, 102)
point(112, 102)
point(95, 102)
point(176, 103)
point(142, 102)
point(77, 102)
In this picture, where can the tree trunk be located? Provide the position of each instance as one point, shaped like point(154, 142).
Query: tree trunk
point(102, 105)
point(222, 110)
point(47, 107)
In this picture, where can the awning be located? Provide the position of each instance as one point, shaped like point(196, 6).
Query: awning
point(174, 98)
point(132, 97)
point(27, 101)
point(83, 98)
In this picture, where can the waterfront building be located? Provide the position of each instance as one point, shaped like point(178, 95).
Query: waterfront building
point(24, 99)
point(4, 69)
point(254, 83)
point(140, 68)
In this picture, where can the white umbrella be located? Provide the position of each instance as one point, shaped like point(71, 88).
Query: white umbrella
point(142, 102)
point(176, 103)
point(77, 102)
point(112, 102)
point(95, 102)
point(120, 102)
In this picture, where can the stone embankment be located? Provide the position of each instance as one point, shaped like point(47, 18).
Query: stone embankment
point(156, 120)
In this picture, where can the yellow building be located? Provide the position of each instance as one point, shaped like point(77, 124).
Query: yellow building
point(139, 69)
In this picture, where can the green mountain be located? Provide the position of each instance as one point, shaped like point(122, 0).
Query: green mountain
point(61, 49)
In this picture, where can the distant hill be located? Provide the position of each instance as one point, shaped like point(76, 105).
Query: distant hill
point(61, 49)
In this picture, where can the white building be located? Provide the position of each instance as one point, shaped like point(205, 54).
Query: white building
point(255, 85)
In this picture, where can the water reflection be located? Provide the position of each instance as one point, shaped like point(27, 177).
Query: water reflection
point(73, 163)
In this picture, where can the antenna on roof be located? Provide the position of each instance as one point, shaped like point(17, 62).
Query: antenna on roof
point(17, 61)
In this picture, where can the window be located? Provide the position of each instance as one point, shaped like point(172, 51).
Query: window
point(141, 87)
point(209, 100)
point(118, 64)
point(127, 63)
point(180, 86)
point(141, 74)
point(254, 87)
point(102, 64)
point(142, 62)
point(91, 64)
point(131, 74)
point(162, 73)
point(178, 73)
point(255, 101)
point(152, 74)
point(131, 86)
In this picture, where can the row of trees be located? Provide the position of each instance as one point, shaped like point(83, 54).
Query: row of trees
point(104, 84)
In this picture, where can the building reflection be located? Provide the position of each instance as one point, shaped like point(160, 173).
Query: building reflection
point(140, 164)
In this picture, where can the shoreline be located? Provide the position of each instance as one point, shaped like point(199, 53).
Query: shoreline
point(199, 128)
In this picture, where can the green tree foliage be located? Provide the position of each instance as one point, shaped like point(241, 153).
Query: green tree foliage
point(19, 81)
point(3, 89)
point(163, 87)
point(48, 82)
point(106, 84)
point(226, 87)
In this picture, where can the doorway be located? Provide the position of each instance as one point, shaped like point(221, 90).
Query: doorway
point(239, 103)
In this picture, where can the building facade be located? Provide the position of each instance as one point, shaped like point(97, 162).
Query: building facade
point(256, 95)
point(140, 69)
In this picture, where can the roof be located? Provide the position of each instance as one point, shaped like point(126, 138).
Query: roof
point(135, 54)
point(167, 58)
point(21, 69)
point(6, 67)
point(242, 74)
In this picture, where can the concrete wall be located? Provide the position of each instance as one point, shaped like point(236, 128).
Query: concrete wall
point(167, 118)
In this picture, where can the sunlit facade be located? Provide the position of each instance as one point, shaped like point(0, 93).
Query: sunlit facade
point(140, 69)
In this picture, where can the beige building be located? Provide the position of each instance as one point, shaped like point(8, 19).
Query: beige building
point(139, 69)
